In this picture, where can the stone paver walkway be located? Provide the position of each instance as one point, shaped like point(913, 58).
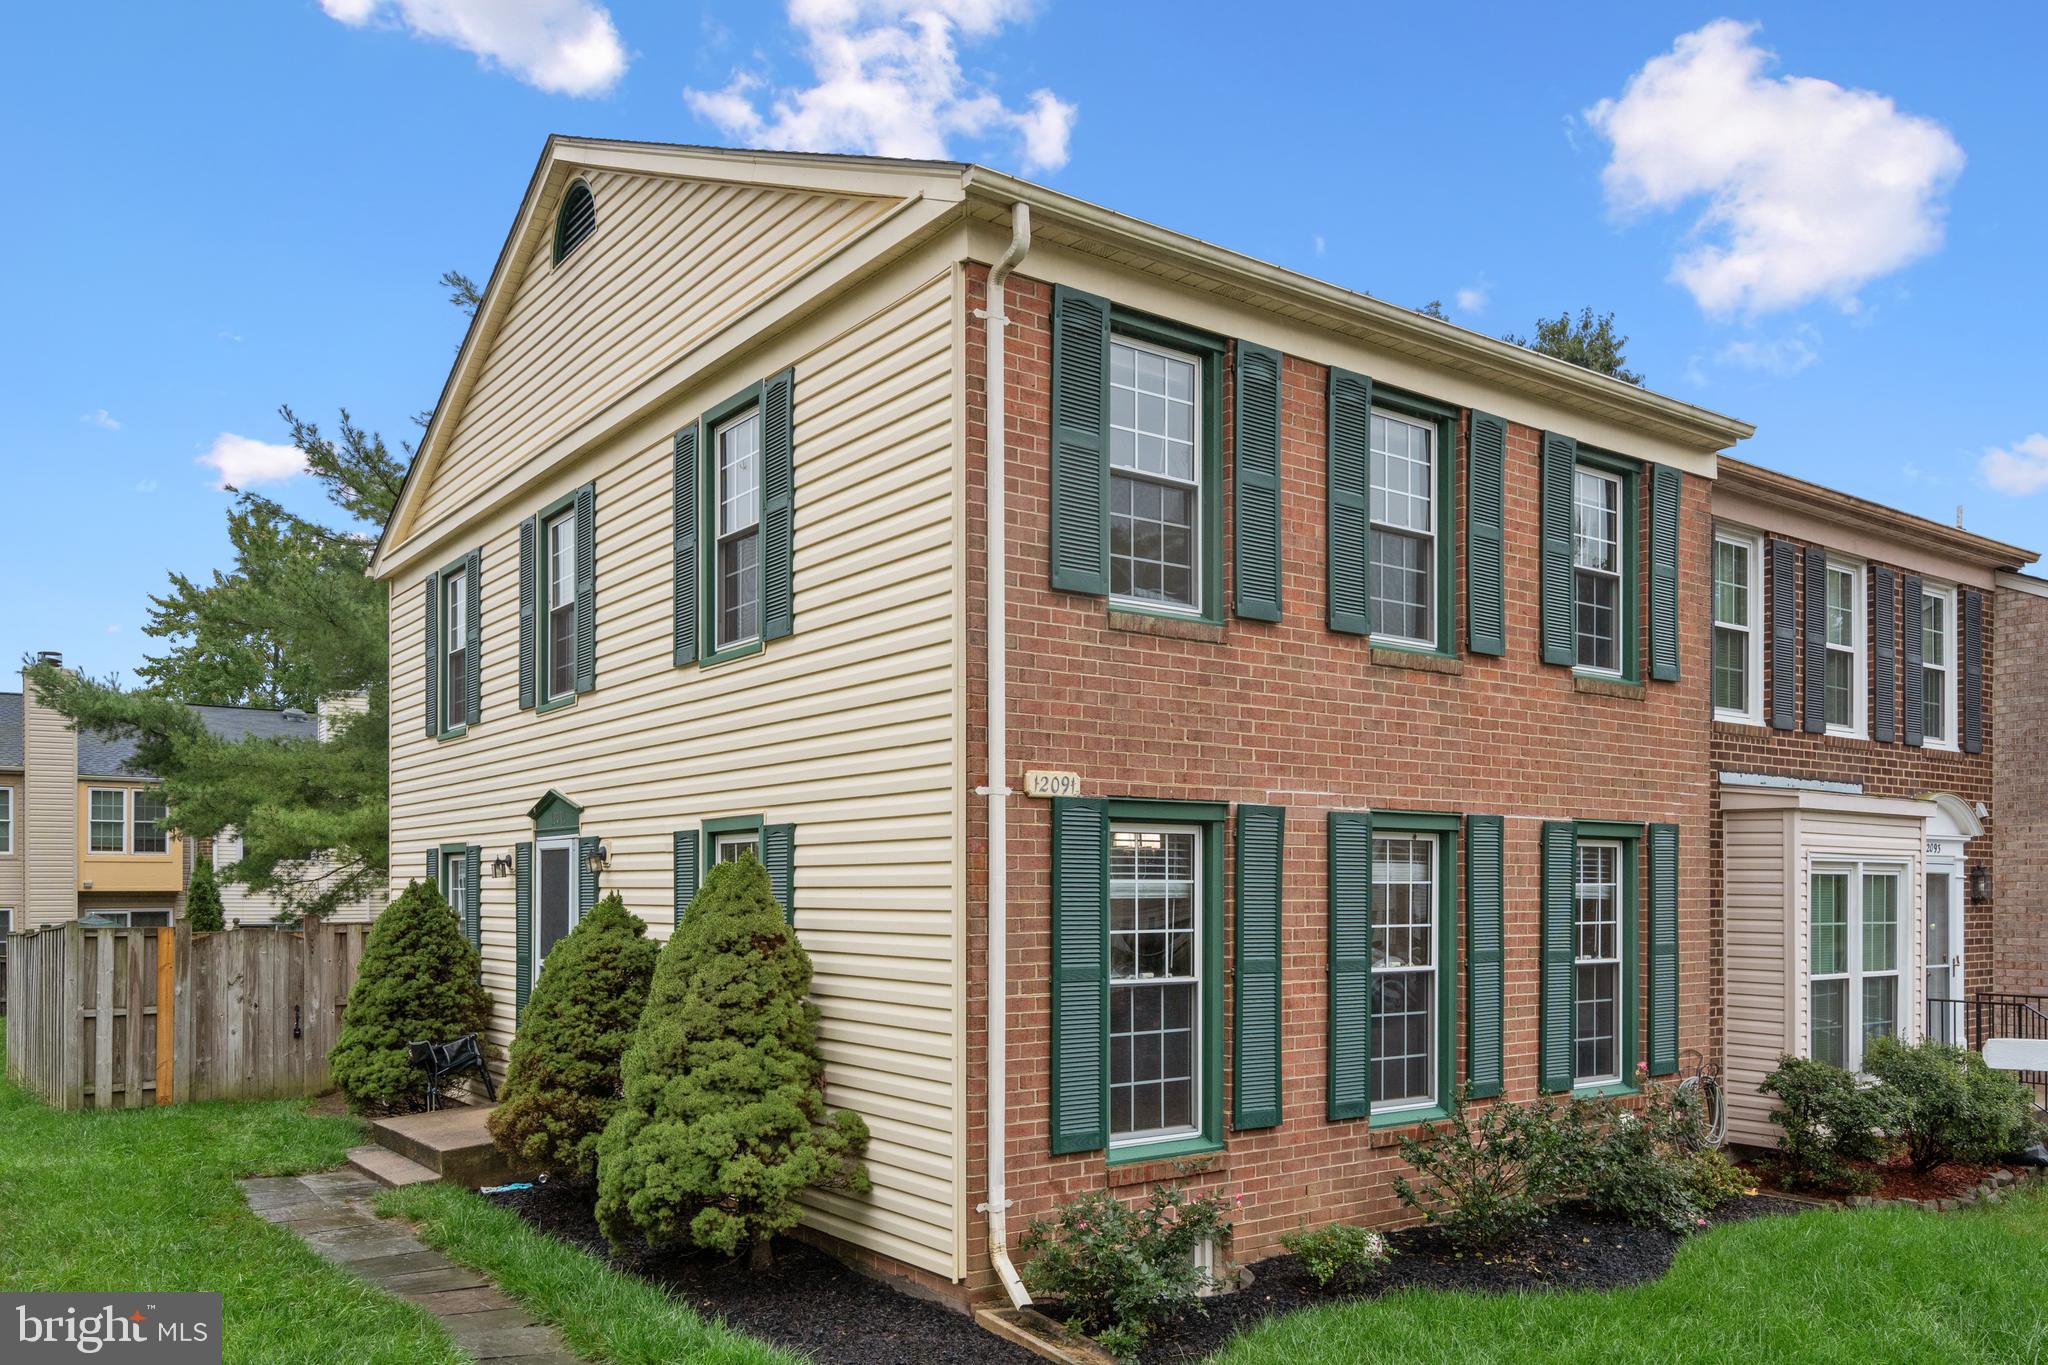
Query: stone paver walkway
point(331, 1210)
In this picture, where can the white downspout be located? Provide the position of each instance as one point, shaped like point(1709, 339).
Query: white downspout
point(997, 789)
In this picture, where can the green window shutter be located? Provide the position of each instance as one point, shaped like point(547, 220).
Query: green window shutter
point(1255, 1073)
point(1080, 442)
point(685, 870)
point(586, 876)
point(1666, 485)
point(433, 867)
point(1663, 950)
point(522, 929)
point(1256, 487)
point(778, 855)
point(1483, 956)
point(683, 511)
point(1910, 595)
point(473, 896)
point(778, 505)
point(1557, 1066)
point(1884, 655)
point(1350, 965)
point(1486, 615)
point(586, 587)
point(433, 657)
point(1973, 671)
point(1350, 503)
point(1814, 703)
point(1080, 974)
point(1560, 581)
point(1784, 634)
point(473, 637)
point(528, 535)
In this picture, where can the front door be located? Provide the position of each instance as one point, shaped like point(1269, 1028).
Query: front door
point(1945, 955)
point(554, 900)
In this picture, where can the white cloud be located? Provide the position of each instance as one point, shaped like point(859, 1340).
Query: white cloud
point(101, 418)
point(240, 462)
point(565, 47)
point(1811, 190)
point(1781, 356)
point(146, 486)
point(1473, 298)
point(1320, 244)
point(113, 630)
point(2021, 470)
point(888, 82)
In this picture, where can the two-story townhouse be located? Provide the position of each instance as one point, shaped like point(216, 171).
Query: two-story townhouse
point(1853, 751)
point(1329, 738)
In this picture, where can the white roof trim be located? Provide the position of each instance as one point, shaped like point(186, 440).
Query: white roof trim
point(1959, 811)
point(2019, 582)
point(1808, 784)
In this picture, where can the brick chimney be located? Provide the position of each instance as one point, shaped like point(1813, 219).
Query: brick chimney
point(49, 823)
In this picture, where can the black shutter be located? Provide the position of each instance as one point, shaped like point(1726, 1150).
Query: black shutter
point(1663, 950)
point(433, 878)
point(522, 928)
point(778, 855)
point(683, 513)
point(686, 873)
point(1483, 955)
point(1350, 1002)
point(473, 636)
point(1916, 677)
point(586, 587)
point(1080, 443)
point(1815, 701)
point(1884, 673)
point(1255, 1068)
point(1973, 672)
point(1557, 1064)
point(586, 875)
point(1256, 486)
point(1666, 487)
point(473, 895)
point(1349, 499)
point(1784, 634)
point(1079, 1108)
point(778, 505)
point(1560, 578)
point(1486, 448)
point(433, 656)
point(528, 533)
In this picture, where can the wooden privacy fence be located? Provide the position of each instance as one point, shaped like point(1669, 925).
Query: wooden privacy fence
point(119, 1018)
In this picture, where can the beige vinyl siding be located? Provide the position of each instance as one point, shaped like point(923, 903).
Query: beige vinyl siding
point(48, 826)
point(672, 261)
point(13, 880)
point(240, 905)
point(846, 729)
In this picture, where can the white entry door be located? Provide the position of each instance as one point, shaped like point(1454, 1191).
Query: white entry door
point(1945, 1022)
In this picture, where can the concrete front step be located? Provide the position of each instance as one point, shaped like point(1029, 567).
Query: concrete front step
point(388, 1168)
point(453, 1144)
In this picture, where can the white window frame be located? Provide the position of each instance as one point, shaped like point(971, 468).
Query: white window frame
point(1620, 961)
point(1947, 596)
point(557, 597)
point(754, 528)
point(1197, 549)
point(134, 833)
point(127, 917)
point(1858, 648)
point(1196, 1039)
point(91, 820)
point(741, 839)
point(7, 821)
point(1906, 998)
point(450, 863)
point(1434, 936)
point(576, 907)
point(455, 638)
point(1752, 544)
point(1428, 639)
point(1618, 573)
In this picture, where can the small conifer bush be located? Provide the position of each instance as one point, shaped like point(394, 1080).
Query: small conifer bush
point(724, 1122)
point(418, 980)
point(202, 899)
point(563, 1082)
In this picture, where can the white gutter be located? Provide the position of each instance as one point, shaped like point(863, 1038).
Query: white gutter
point(997, 789)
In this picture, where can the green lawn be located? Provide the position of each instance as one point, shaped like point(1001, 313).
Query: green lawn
point(601, 1313)
point(1860, 1287)
point(145, 1199)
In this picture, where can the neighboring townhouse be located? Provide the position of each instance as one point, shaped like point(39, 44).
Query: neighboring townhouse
point(1855, 725)
point(1336, 735)
point(82, 828)
point(2019, 782)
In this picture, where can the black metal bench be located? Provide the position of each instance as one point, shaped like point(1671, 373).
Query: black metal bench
point(442, 1061)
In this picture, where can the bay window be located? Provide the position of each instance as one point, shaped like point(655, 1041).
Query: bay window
point(1854, 960)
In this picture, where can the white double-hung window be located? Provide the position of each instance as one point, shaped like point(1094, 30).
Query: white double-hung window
point(1405, 898)
point(737, 562)
point(1155, 956)
point(1597, 561)
point(559, 537)
point(1738, 627)
point(1843, 686)
point(1599, 905)
point(1155, 477)
point(1937, 665)
point(1855, 946)
point(455, 650)
point(1403, 530)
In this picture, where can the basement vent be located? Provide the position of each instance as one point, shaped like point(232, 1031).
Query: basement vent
point(577, 220)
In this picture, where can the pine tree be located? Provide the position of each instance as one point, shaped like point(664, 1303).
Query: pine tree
point(724, 1122)
point(563, 1082)
point(418, 980)
point(202, 899)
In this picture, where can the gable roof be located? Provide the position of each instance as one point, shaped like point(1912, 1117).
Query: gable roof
point(933, 194)
point(101, 755)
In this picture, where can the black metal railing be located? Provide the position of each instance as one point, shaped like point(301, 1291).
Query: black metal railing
point(2002, 1014)
point(1948, 1021)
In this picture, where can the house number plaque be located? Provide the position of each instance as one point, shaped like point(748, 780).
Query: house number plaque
point(1042, 783)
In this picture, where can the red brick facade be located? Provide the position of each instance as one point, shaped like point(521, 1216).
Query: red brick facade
point(2019, 947)
point(1292, 714)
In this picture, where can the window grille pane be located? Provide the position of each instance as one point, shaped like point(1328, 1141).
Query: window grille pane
point(1154, 980)
point(1151, 541)
point(1155, 497)
point(1880, 1007)
point(1828, 1034)
point(1599, 612)
point(1880, 923)
point(150, 811)
point(1829, 914)
point(1596, 522)
point(1841, 607)
point(1404, 1023)
point(1731, 584)
point(1401, 592)
point(1839, 679)
point(1731, 669)
point(107, 813)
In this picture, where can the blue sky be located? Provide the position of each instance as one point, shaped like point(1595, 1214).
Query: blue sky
point(228, 207)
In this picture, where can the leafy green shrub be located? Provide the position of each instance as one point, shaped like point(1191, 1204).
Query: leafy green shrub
point(1946, 1104)
point(202, 899)
point(1338, 1249)
point(418, 979)
point(1830, 1120)
point(1715, 1180)
point(563, 1082)
point(1124, 1271)
point(723, 1121)
point(1486, 1180)
point(1652, 1166)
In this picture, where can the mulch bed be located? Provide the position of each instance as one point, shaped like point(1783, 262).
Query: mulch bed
point(1895, 1180)
point(808, 1302)
point(1573, 1250)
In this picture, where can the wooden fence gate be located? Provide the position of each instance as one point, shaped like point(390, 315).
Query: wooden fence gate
point(119, 1018)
